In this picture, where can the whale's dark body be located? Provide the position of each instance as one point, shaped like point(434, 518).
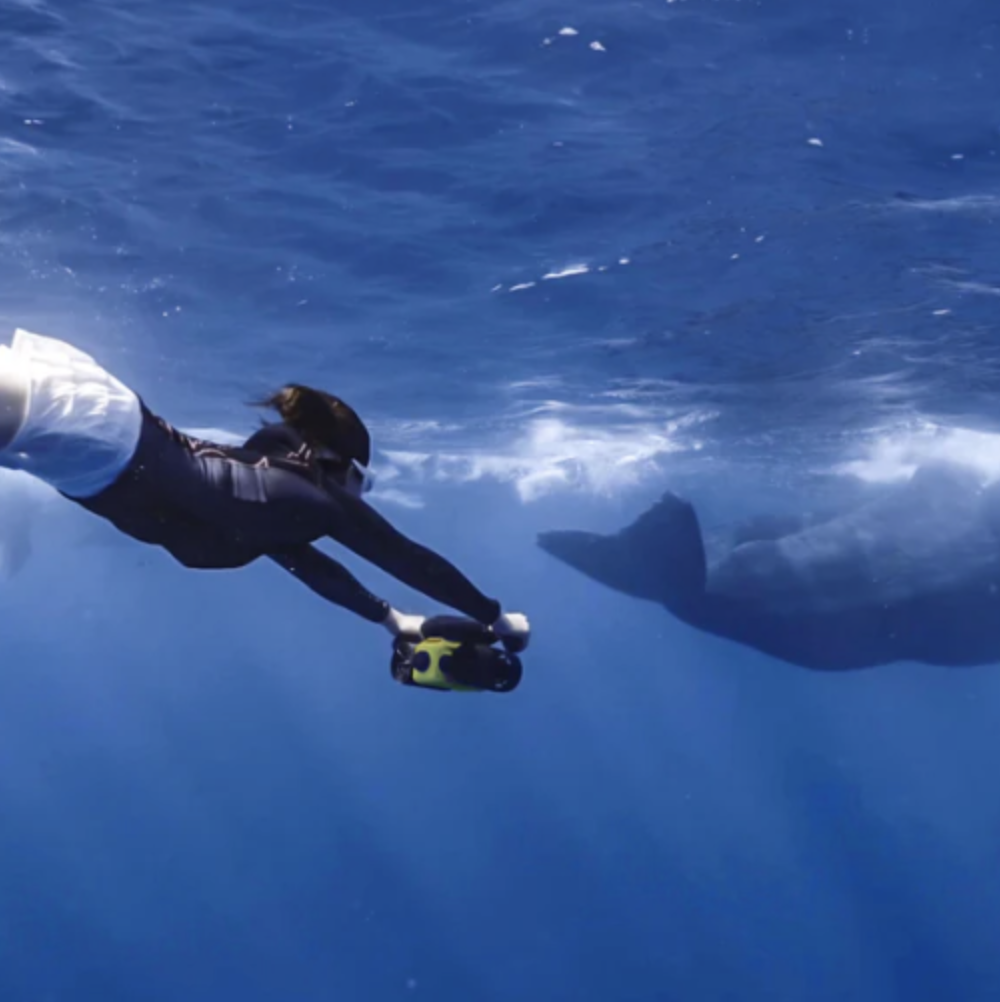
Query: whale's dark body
point(911, 576)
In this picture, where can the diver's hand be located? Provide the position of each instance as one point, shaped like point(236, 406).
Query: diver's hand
point(514, 631)
point(401, 624)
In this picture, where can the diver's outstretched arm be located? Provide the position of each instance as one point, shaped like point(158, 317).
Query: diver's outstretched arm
point(335, 583)
point(360, 528)
point(331, 581)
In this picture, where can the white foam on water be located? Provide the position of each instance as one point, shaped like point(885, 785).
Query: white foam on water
point(966, 204)
point(554, 453)
point(567, 272)
point(975, 288)
point(895, 454)
point(14, 147)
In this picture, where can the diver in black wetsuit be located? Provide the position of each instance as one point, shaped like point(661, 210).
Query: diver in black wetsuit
point(215, 506)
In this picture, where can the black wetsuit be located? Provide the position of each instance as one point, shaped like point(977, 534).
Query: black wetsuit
point(217, 506)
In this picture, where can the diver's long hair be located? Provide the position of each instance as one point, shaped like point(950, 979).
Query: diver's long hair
point(322, 419)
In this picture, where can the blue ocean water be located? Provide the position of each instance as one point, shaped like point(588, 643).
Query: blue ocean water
point(561, 257)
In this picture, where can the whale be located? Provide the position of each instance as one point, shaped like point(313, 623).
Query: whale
point(910, 575)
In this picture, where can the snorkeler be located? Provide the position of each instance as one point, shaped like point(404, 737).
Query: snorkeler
point(71, 424)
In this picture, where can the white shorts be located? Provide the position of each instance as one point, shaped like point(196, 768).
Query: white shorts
point(82, 425)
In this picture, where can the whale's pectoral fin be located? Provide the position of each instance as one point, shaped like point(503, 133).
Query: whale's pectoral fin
point(659, 557)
